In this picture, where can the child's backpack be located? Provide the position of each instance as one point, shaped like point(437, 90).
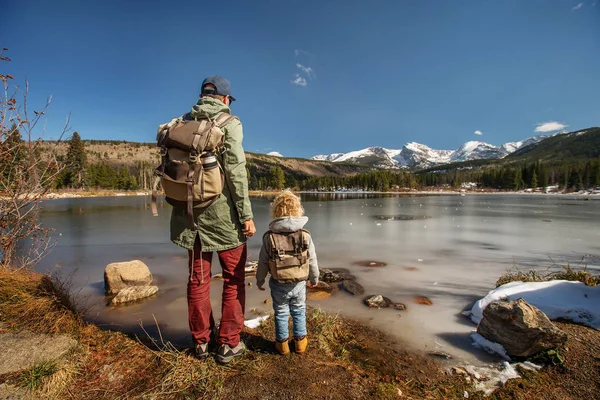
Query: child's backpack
point(189, 172)
point(288, 255)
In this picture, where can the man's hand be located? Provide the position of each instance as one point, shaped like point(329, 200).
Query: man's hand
point(262, 289)
point(249, 229)
point(311, 285)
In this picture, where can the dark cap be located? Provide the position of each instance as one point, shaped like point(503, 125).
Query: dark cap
point(221, 84)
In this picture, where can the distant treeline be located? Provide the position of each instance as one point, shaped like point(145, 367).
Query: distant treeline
point(568, 175)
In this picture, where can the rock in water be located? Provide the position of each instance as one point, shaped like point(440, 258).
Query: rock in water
point(337, 275)
point(120, 275)
point(422, 300)
point(522, 329)
point(133, 293)
point(321, 287)
point(353, 288)
point(378, 301)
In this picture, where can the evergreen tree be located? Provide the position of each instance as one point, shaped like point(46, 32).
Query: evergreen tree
point(276, 178)
point(76, 162)
point(534, 180)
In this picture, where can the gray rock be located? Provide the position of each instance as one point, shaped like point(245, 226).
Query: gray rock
point(335, 275)
point(378, 301)
point(11, 392)
point(399, 306)
point(353, 287)
point(120, 275)
point(23, 350)
point(522, 329)
point(133, 293)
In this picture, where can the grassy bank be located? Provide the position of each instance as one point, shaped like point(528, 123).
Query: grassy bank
point(345, 360)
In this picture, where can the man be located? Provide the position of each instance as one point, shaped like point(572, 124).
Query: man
point(223, 227)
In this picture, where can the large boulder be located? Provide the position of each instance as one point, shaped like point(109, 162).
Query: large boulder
point(23, 350)
point(522, 329)
point(133, 293)
point(120, 275)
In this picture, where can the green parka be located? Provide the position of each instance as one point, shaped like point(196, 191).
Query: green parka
point(220, 224)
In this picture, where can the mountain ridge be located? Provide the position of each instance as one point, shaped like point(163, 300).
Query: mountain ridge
point(415, 155)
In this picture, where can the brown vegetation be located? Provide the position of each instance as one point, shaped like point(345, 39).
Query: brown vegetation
point(553, 272)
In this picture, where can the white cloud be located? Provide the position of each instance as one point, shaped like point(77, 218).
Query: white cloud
point(275, 154)
point(594, 4)
point(578, 6)
point(307, 70)
point(550, 126)
point(478, 132)
point(299, 81)
point(299, 52)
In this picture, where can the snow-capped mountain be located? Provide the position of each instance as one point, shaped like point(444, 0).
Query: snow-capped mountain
point(511, 147)
point(424, 156)
point(416, 155)
point(275, 154)
point(475, 151)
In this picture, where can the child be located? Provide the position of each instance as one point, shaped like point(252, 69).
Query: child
point(288, 253)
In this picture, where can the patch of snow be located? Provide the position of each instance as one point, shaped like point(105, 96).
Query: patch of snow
point(557, 299)
point(490, 347)
point(495, 378)
point(255, 322)
point(274, 154)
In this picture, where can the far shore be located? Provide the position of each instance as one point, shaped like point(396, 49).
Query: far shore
point(67, 194)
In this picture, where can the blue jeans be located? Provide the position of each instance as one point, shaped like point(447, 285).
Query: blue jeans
point(289, 298)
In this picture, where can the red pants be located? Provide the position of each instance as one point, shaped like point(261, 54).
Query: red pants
point(200, 314)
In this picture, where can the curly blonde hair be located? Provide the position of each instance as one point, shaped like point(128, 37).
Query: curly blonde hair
point(287, 204)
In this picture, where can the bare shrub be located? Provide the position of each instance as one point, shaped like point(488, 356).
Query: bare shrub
point(27, 172)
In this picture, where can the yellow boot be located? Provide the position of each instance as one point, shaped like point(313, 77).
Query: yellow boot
point(301, 345)
point(282, 347)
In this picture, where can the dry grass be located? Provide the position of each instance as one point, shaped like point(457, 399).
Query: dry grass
point(36, 303)
point(553, 272)
point(347, 359)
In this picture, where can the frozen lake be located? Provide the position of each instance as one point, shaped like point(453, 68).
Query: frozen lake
point(450, 249)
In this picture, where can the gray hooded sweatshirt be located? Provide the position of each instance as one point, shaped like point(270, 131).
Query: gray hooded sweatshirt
point(283, 225)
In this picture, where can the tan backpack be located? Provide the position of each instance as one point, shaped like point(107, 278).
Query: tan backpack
point(189, 172)
point(288, 255)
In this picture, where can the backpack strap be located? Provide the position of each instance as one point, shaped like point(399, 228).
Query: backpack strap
point(224, 119)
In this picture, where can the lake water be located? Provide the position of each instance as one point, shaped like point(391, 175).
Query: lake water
point(450, 249)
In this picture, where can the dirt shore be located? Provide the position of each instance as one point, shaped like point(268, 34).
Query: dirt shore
point(345, 360)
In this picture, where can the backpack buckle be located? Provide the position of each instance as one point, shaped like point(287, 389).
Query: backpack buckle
point(193, 157)
point(163, 151)
point(280, 253)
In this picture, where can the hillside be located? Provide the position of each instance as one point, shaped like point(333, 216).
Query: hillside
point(579, 145)
point(301, 167)
point(132, 154)
point(559, 149)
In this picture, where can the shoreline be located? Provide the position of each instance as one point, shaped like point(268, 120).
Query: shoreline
point(71, 194)
point(349, 358)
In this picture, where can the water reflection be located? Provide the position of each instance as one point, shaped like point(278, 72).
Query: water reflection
point(452, 258)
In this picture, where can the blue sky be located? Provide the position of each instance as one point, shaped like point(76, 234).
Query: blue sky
point(382, 73)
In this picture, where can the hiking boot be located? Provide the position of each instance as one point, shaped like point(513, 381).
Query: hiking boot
point(282, 347)
point(301, 344)
point(227, 353)
point(201, 351)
